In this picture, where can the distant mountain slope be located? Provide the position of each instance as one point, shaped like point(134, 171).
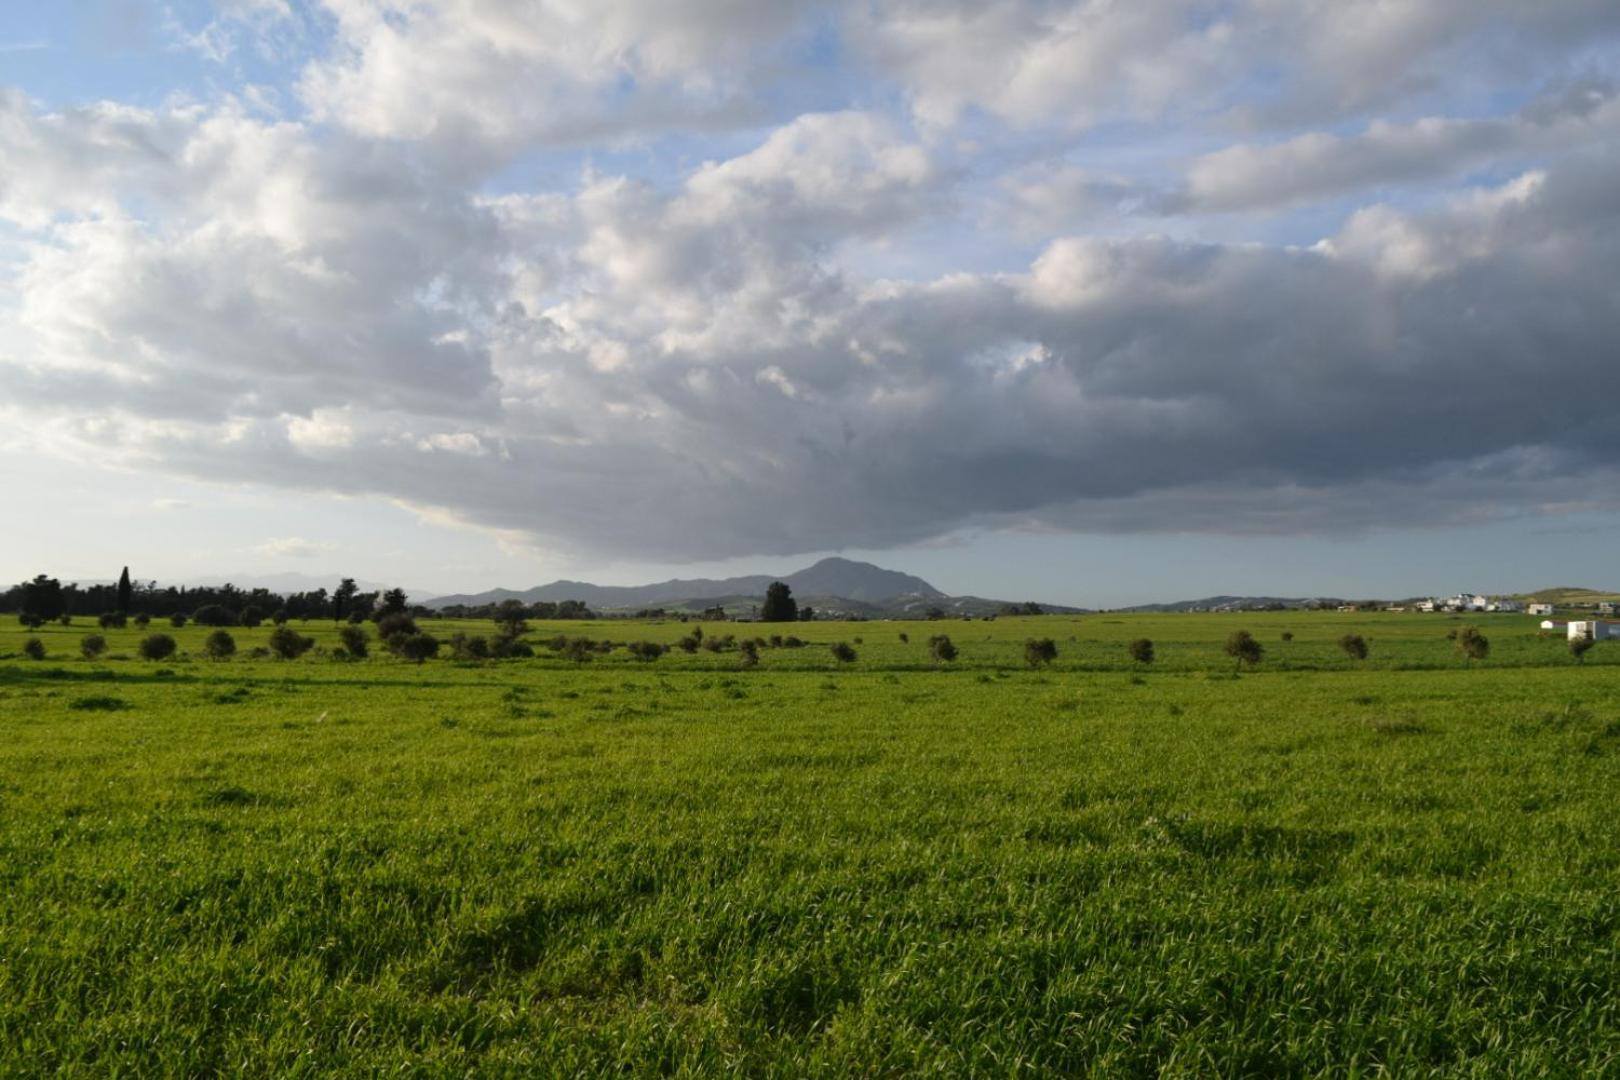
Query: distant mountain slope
point(845, 578)
point(1229, 603)
point(1568, 594)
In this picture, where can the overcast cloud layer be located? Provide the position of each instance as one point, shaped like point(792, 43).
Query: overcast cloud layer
point(803, 276)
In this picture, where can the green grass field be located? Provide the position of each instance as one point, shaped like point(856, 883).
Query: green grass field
point(536, 867)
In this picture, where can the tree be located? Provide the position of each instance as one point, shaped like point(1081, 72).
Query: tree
point(355, 640)
point(112, 620)
point(42, 599)
point(1141, 650)
point(92, 646)
point(220, 645)
point(779, 604)
point(647, 651)
point(177, 620)
point(1241, 646)
point(510, 617)
point(1472, 644)
point(941, 649)
point(843, 653)
point(288, 643)
point(1354, 646)
point(125, 592)
point(393, 601)
point(34, 649)
point(1039, 652)
point(214, 615)
point(341, 598)
point(157, 647)
point(419, 647)
point(749, 654)
point(397, 625)
point(1578, 648)
point(807, 614)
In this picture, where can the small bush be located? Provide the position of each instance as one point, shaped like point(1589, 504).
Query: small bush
point(905, 638)
point(1354, 646)
point(418, 647)
point(1472, 644)
point(355, 640)
point(1038, 652)
point(397, 625)
point(463, 647)
point(177, 621)
point(112, 620)
point(941, 648)
point(1141, 650)
point(99, 703)
point(252, 616)
point(646, 651)
point(1578, 648)
point(142, 621)
point(749, 654)
point(843, 653)
point(1241, 646)
point(220, 645)
point(288, 643)
point(34, 649)
point(92, 646)
point(65, 619)
point(157, 647)
point(509, 647)
point(1288, 635)
point(29, 621)
point(280, 616)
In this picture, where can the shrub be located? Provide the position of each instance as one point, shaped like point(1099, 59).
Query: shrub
point(1241, 646)
point(288, 643)
point(791, 642)
point(1578, 648)
point(30, 621)
point(463, 647)
point(508, 647)
point(355, 618)
point(749, 654)
point(905, 638)
point(1472, 644)
point(1141, 650)
point(689, 643)
point(92, 646)
point(941, 648)
point(510, 618)
point(280, 616)
point(355, 640)
point(34, 649)
point(112, 620)
point(398, 624)
point(418, 647)
point(214, 615)
point(142, 621)
point(1039, 652)
point(220, 645)
point(177, 621)
point(1354, 646)
point(252, 616)
point(843, 653)
point(65, 620)
point(581, 650)
point(647, 651)
point(157, 647)
point(1288, 635)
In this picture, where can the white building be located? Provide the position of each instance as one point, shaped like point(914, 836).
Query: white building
point(1427, 605)
point(1593, 630)
point(1540, 609)
point(1504, 606)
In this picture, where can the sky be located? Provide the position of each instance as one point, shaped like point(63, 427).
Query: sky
point(1084, 301)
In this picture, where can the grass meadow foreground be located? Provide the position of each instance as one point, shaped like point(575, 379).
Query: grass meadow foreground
point(885, 867)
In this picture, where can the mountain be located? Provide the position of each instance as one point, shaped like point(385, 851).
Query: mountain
point(855, 587)
point(1234, 603)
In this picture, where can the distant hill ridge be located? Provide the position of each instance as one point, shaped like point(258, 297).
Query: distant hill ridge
point(832, 577)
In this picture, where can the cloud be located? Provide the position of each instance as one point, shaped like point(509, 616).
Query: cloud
point(712, 355)
point(293, 547)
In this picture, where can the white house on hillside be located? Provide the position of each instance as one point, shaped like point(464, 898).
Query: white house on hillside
point(1594, 630)
point(1504, 606)
point(1540, 609)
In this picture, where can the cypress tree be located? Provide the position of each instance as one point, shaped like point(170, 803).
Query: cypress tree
point(125, 591)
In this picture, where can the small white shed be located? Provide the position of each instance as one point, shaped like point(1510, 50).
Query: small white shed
point(1593, 630)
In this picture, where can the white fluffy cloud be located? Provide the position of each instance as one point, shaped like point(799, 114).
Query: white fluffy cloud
point(703, 361)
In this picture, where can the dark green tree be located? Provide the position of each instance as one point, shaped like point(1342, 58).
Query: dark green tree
point(1354, 646)
point(779, 604)
point(1141, 651)
point(1039, 652)
point(341, 598)
point(42, 599)
point(393, 600)
point(1241, 646)
point(125, 592)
